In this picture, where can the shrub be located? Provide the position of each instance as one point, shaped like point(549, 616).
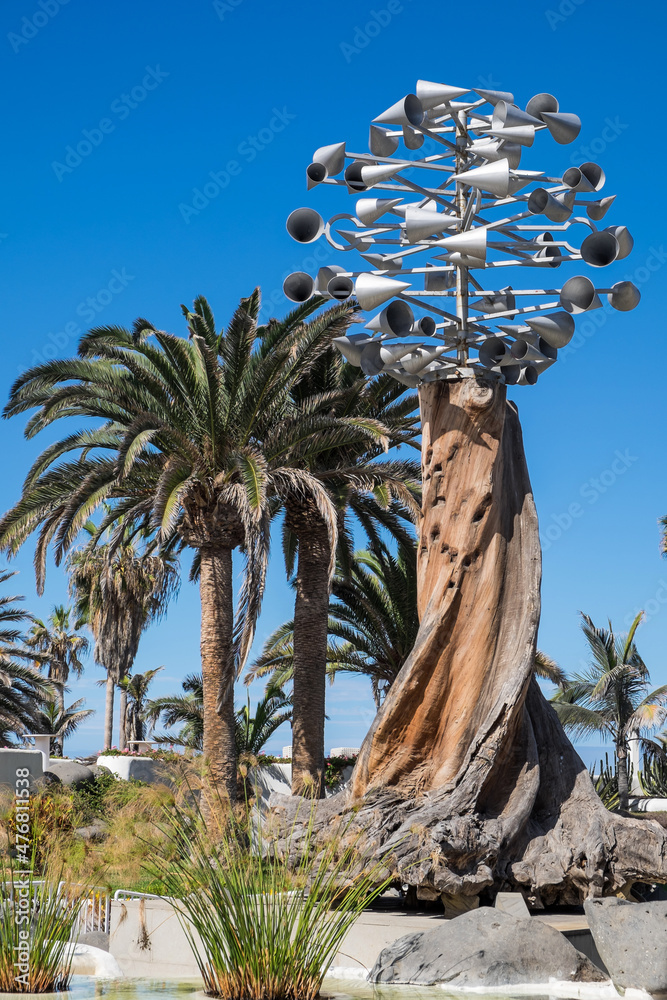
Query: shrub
point(268, 929)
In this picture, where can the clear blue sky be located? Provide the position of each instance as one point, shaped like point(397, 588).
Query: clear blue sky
point(170, 94)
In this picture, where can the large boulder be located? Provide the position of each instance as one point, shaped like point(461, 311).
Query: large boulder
point(69, 772)
point(632, 941)
point(484, 947)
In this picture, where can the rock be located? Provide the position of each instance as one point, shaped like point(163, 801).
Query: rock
point(631, 939)
point(90, 961)
point(48, 780)
point(95, 939)
point(69, 772)
point(514, 904)
point(484, 947)
point(97, 769)
point(94, 833)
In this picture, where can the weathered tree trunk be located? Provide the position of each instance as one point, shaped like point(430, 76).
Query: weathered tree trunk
point(108, 712)
point(466, 777)
point(311, 616)
point(217, 628)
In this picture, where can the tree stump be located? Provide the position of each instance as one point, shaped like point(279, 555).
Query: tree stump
point(466, 779)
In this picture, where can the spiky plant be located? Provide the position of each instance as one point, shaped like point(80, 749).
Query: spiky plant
point(37, 930)
point(260, 929)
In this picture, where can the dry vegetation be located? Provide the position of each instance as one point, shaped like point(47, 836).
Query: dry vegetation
point(126, 817)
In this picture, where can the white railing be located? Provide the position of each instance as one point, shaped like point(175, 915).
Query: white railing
point(131, 894)
point(94, 905)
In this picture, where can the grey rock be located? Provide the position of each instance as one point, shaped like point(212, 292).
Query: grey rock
point(632, 941)
point(98, 770)
point(96, 832)
point(96, 939)
point(484, 947)
point(48, 780)
point(514, 904)
point(69, 772)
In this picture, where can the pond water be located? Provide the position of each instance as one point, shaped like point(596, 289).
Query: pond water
point(84, 987)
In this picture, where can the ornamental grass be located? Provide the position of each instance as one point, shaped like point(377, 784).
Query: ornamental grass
point(36, 930)
point(265, 913)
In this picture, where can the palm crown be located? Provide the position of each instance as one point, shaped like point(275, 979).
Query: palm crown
point(612, 697)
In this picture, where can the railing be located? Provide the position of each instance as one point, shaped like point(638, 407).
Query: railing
point(93, 902)
point(94, 905)
point(130, 894)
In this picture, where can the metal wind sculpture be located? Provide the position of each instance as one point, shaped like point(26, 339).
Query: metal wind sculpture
point(466, 778)
point(475, 210)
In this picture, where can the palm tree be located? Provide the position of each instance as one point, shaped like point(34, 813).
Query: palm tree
point(137, 706)
point(317, 532)
point(372, 626)
point(612, 697)
point(61, 722)
point(182, 451)
point(252, 731)
point(61, 648)
point(21, 686)
point(186, 709)
point(120, 589)
point(548, 670)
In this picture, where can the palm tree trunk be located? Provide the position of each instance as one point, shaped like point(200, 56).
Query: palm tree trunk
point(122, 736)
point(108, 713)
point(61, 677)
point(311, 616)
point(622, 770)
point(217, 629)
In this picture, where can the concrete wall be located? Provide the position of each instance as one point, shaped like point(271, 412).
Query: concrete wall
point(647, 804)
point(11, 760)
point(139, 768)
point(146, 939)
